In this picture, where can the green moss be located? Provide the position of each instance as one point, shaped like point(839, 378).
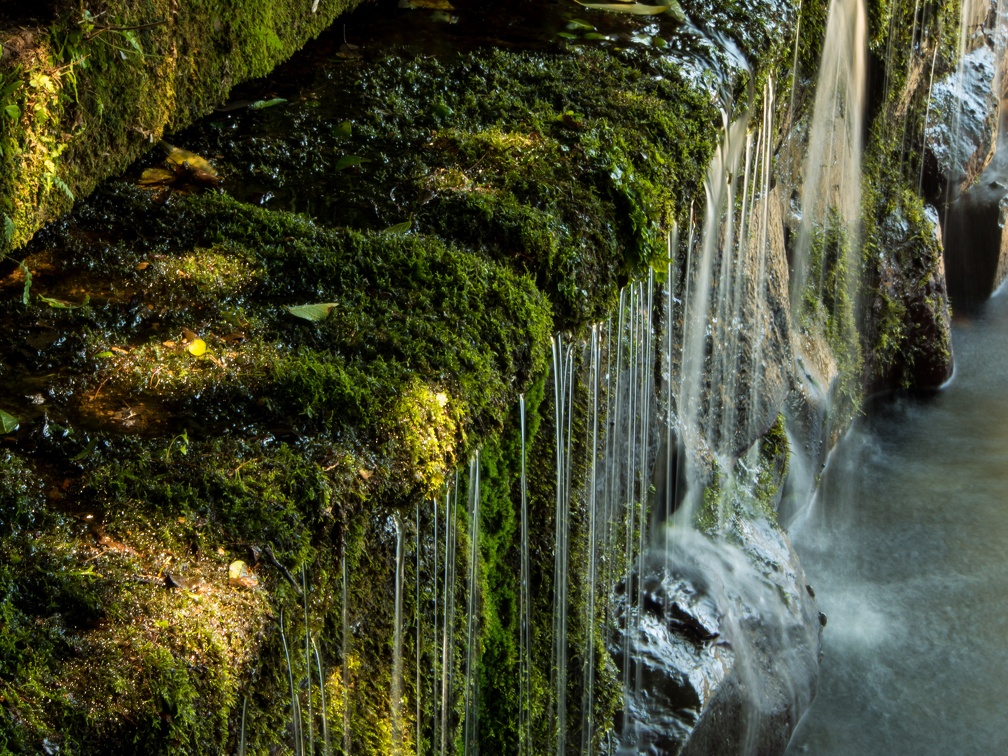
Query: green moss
point(96, 88)
point(570, 168)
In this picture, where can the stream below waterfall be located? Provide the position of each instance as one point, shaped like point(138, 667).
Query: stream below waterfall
point(906, 546)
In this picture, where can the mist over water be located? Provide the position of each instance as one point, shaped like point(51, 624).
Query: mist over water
point(906, 545)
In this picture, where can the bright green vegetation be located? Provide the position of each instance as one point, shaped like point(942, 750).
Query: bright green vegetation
point(751, 490)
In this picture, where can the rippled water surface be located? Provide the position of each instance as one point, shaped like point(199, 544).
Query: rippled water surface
point(907, 548)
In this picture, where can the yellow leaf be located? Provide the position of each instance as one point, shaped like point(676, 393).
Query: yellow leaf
point(197, 348)
point(184, 158)
point(240, 576)
point(157, 177)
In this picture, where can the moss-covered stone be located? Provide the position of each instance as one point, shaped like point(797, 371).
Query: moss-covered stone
point(571, 167)
point(82, 97)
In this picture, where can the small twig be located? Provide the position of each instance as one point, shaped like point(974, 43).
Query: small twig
point(101, 30)
point(271, 558)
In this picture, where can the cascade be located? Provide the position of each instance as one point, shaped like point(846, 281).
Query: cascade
point(832, 180)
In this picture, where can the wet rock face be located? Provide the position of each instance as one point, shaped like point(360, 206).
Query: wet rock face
point(962, 124)
point(720, 644)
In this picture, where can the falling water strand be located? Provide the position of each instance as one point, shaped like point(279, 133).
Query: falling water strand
point(325, 713)
point(794, 65)
point(611, 384)
point(447, 649)
point(562, 388)
point(647, 392)
point(765, 156)
point(833, 166)
point(397, 642)
point(307, 653)
point(697, 328)
point(630, 477)
point(471, 744)
point(295, 713)
point(671, 287)
point(525, 670)
point(591, 561)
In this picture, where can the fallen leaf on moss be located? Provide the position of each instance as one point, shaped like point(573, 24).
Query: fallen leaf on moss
point(637, 9)
point(8, 422)
point(186, 159)
point(157, 177)
point(318, 311)
point(349, 161)
point(240, 576)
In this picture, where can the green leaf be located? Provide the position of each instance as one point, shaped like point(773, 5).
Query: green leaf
point(59, 304)
point(8, 227)
point(577, 23)
point(103, 355)
point(442, 111)
point(260, 104)
point(350, 161)
point(344, 130)
point(88, 450)
point(567, 35)
point(596, 37)
point(132, 39)
point(197, 348)
point(637, 9)
point(13, 112)
point(27, 283)
point(318, 311)
point(61, 185)
point(399, 228)
point(8, 422)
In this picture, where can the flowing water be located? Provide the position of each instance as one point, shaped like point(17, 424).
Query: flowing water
point(905, 545)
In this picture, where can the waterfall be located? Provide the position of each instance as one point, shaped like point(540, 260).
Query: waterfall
point(832, 180)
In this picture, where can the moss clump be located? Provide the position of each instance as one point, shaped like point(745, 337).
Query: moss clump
point(907, 339)
point(570, 167)
point(410, 358)
point(829, 307)
point(98, 654)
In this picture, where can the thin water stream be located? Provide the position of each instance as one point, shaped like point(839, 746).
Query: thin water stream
point(907, 547)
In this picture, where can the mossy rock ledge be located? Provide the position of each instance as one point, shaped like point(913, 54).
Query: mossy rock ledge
point(178, 412)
